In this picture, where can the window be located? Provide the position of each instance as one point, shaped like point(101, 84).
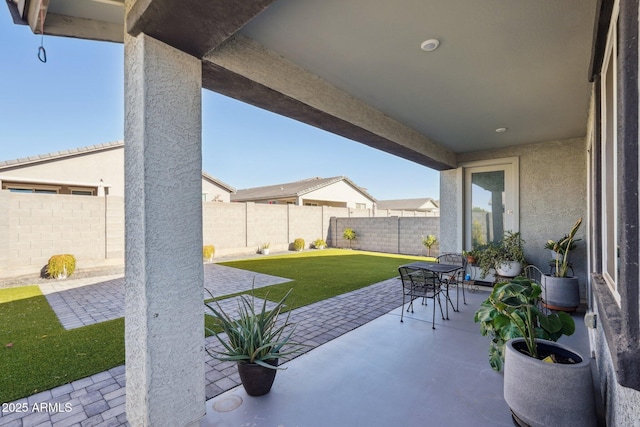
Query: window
point(609, 154)
point(361, 206)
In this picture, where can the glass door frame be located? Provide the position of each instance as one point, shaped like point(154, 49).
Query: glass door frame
point(511, 167)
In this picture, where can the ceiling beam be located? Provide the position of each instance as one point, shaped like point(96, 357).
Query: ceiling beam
point(194, 27)
point(245, 70)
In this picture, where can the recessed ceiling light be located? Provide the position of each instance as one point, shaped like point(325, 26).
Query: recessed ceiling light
point(430, 45)
point(500, 130)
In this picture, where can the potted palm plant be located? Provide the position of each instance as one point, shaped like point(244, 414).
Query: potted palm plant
point(545, 383)
point(562, 291)
point(256, 340)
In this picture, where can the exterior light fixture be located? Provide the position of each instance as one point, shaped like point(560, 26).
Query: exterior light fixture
point(430, 45)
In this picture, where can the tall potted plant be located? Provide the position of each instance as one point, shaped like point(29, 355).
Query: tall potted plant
point(256, 340)
point(545, 383)
point(562, 291)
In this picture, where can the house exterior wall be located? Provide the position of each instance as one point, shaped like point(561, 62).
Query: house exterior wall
point(339, 192)
point(88, 168)
point(214, 193)
point(552, 197)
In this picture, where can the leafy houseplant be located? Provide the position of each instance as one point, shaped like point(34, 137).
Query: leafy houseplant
point(429, 241)
point(255, 340)
point(349, 234)
point(562, 247)
point(502, 255)
point(562, 292)
point(511, 311)
point(545, 383)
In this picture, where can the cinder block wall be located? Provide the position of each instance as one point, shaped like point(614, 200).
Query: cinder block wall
point(36, 226)
point(398, 235)
point(42, 225)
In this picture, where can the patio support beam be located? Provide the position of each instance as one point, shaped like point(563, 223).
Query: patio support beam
point(245, 70)
point(164, 330)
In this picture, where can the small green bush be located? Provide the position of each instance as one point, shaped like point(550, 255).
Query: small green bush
point(208, 251)
point(298, 244)
point(61, 266)
point(349, 234)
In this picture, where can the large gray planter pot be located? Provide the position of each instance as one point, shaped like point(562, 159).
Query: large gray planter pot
point(560, 293)
point(542, 394)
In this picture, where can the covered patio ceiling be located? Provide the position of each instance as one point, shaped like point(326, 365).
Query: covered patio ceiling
point(356, 68)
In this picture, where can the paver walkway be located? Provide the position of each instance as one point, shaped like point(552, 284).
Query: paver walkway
point(99, 400)
point(84, 302)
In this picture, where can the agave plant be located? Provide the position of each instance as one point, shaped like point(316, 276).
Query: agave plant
point(255, 336)
point(512, 311)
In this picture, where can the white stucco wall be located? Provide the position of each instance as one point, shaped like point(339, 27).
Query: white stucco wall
point(338, 192)
point(90, 168)
point(87, 168)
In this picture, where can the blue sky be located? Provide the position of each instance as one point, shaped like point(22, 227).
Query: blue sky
point(76, 99)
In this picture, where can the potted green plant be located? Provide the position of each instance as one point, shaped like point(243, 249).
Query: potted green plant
point(319, 244)
point(545, 383)
point(265, 248)
point(207, 252)
point(429, 241)
point(562, 291)
point(256, 340)
point(505, 258)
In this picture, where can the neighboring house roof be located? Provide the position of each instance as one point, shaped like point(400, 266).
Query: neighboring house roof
point(422, 204)
point(292, 189)
point(25, 161)
point(91, 149)
point(218, 182)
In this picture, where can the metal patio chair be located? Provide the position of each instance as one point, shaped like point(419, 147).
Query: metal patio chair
point(420, 284)
point(456, 278)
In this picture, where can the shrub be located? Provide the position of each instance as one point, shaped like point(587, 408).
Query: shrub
point(208, 251)
point(61, 266)
point(349, 234)
point(429, 241)
point(298, 244)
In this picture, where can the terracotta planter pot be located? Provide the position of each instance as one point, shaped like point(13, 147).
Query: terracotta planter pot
point(257, 380)
point(542, 394)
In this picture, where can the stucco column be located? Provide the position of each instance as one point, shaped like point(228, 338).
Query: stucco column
point(164, 328)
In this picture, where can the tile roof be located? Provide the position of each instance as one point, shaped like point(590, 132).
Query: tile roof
point(56, 155)
point(292, 189)
point(406, 204)
point(60, 154)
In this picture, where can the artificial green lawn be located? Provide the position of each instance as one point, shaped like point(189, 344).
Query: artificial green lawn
point(37, 353)
point(42, 354)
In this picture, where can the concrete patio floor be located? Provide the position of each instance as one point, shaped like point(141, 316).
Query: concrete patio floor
point(365, 368)
point(386, 373)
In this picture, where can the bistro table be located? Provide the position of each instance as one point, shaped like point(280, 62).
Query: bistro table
point(439, 269)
